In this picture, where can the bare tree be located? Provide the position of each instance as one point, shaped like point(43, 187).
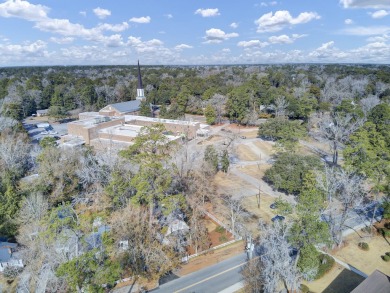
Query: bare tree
point(280, 107)
point(369, 103)
point(336, 129)
point(277, 265)
point(235, 211)
point(349, 195)
point(251, 274)
point(218, 102)
point(15, 156)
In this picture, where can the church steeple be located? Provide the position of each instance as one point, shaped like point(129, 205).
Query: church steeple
point(140, 89)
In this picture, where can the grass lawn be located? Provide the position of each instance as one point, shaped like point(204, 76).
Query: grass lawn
point(366, 261)
point(232, 184)
point(245, 153)
point(337, 280)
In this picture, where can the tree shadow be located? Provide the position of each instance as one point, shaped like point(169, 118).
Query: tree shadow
point(345, 282)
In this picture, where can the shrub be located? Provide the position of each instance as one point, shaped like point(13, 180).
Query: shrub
point(385, 232)
point(387, 225)
point(304, 288)
point(326, 264)
point(223, 239)
point(388, 253)
point(220, 229)
point(363, 246)
point(386, 257)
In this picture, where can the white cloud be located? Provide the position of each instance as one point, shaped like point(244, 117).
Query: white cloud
point(215, 35)
point(24, 10)
point(209, 12)
point(375, 4)
point(383, 38)
point(83, 13)
point(142, 19)
point(252, 43)
point(19, 52)
point(182, 47)
point(379, 14)
point(366, 30)
point(65, 40)
point(101, 13)
point(226, 50)
point(234, 25)
point(169, 16)
point(272, 3)
point(284, 39)
point(348, 21)
point(142, 47)
point(270, 22)
point(113, 27)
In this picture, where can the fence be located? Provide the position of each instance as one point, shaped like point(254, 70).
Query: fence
point(215, 219)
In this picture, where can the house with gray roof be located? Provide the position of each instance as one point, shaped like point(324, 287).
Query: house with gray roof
point(8, 256)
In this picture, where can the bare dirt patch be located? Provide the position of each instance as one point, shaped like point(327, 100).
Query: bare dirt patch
point(366, 261)
point(337, 280)
point(250, 133)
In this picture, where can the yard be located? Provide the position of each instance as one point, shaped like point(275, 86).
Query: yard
point(366, 261)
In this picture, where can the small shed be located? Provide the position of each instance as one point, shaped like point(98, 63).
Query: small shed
point(43, 112)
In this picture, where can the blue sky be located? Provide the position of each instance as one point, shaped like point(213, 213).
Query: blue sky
point(71, 32)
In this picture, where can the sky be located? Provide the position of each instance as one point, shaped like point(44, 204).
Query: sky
point(189, 32)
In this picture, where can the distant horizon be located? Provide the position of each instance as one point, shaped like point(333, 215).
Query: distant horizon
point(67, 33)
point(199, 65)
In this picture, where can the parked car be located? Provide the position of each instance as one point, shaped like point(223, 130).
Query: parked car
point(277, 218)
point(243, 137)
point(273, 206)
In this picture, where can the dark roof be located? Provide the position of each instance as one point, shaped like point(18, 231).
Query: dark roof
point(139, 78)
point(377, 282)
point(5, 254)
point(127, 107)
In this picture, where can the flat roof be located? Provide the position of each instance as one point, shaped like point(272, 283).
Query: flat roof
point(92, 121)
point(123, 130)
point(129, 118)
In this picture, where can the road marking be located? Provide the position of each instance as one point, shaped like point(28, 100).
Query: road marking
point(209, 278)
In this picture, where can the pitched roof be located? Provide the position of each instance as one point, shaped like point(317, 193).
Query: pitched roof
point(377, 282)
point(127, 107)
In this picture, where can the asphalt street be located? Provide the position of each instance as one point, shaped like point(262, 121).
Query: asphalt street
point(212, 279)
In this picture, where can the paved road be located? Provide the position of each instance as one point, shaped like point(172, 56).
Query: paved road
point(212, 279)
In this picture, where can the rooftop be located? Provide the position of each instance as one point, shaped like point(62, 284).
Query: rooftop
point(129, 118)
point(125, 107)
point(125, 130)
point(377, 282)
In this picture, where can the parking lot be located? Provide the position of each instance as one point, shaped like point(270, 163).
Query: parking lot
point(38, 128)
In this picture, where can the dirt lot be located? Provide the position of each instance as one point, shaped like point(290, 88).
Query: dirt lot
point(366, 261)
